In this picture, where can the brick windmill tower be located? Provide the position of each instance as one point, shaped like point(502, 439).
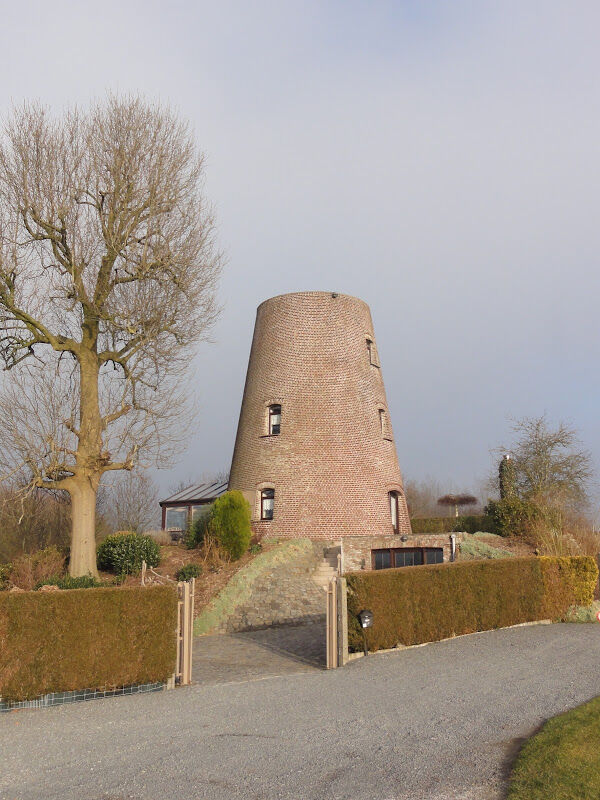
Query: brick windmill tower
point(314, 452)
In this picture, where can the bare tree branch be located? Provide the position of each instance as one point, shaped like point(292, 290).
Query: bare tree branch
point(107, 257)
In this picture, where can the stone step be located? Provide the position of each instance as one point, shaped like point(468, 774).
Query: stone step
point(324, 571)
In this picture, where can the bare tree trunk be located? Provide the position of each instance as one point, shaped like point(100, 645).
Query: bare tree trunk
point(83, 542)
point(83, 487)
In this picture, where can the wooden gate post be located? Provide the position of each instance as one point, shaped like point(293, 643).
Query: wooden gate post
point(342, 621)
point(337, 623)
point(185, 631)
point(331, 625)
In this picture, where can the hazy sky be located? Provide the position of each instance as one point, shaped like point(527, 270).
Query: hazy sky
point(439, 160)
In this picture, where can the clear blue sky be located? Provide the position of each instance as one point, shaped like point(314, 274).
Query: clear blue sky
point(438, 160)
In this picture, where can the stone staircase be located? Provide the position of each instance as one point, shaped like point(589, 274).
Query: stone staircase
point(275, 588)
point(327, 568)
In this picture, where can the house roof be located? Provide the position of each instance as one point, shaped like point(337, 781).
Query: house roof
point(200, 493)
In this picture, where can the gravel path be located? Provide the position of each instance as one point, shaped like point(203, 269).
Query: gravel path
point(430, 723)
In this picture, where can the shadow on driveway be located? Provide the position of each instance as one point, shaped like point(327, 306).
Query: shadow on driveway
point(235, 657)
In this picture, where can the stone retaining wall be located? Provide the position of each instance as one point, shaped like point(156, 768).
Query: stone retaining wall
point(356, 550)
point(277, 588)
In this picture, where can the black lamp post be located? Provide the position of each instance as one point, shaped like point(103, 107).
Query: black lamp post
point(365, 618)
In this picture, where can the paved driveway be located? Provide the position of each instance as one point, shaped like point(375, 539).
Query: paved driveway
point(259, 654)
point(430, 723)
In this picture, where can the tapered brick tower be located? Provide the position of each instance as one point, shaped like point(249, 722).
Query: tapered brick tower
point(314, 452)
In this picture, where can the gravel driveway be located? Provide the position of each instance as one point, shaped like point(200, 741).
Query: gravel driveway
point(429, 723)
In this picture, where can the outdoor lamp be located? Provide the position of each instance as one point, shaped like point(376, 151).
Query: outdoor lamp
point(366, 620)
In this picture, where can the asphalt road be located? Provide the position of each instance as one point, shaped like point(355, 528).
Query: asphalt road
point(440, 721)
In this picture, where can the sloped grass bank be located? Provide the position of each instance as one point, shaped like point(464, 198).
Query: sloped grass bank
point(562, 761)
point(239, 589)
point(482, 545)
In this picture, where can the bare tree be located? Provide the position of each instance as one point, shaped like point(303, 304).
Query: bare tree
point(421, 497)
point(131, 502)
point(549, 466)
point(32, 521)
point(457, 500)
point(108, 272)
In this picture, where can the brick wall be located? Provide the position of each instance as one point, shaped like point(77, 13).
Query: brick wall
point(332, 466)
point(356, 550)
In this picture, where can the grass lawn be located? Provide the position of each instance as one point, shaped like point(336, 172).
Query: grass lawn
point(562, 761)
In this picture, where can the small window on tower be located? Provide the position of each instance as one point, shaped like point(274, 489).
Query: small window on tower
point(267, 501)
point(372, 350)
point(274, 420)
point(394, 510)
point(384, 424)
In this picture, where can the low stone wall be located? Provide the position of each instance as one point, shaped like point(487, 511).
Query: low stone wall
point(356, 550)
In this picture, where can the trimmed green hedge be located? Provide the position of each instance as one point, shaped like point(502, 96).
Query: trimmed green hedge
point(85, 639)
point(413, 605)
point(470, 524)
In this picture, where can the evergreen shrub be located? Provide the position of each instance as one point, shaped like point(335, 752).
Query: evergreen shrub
point(123, 553)
point(188, 571)
point(412, 605)
point(67, 582)
point(512, 516)
point(197, 532)
point(230, 523)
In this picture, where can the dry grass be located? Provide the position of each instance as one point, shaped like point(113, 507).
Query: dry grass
point(574, 536)
point(162, 538)
point(217, 569)
point(28, 570)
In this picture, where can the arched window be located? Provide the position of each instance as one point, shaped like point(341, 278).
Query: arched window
point(394, 510)
point(274, 420)
point(267, 501)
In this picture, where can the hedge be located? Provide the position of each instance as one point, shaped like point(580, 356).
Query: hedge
point(470, 524)
point(412, 605)
point(85, 639)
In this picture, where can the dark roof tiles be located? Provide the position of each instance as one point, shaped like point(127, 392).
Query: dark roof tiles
point(201, 492)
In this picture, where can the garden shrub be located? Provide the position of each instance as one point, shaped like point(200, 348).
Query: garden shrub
point(86, 639)
point(512, 516)
point(188, 571)
point(123, 553)
point(30, 569)
point(470, 524)
point(196, 533)
point(412, 605)
point(230, 523)
point(67, 582)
